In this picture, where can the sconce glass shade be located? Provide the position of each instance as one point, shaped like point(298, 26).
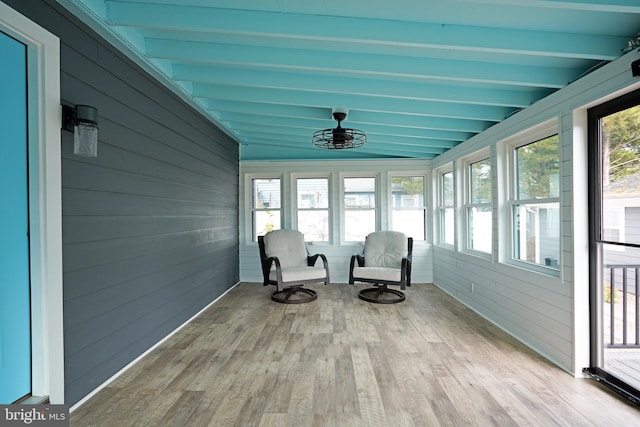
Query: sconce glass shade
point(82, 120)
point(85, 140)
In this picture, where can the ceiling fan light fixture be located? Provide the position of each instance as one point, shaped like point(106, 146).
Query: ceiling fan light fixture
point(339, 138)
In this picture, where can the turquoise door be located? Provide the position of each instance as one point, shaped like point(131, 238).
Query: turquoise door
point(15, 300)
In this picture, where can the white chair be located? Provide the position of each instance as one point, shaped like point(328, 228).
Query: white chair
point(386, 260)
point(286, 263)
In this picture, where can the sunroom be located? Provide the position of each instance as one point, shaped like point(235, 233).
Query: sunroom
point(502, 137)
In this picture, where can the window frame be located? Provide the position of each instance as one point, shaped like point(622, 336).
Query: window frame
point(343, 208)
point(330, 209)
point(530, 136)
point(252, 208)
point(442, 207)
point(468, 204)
point(425, 205)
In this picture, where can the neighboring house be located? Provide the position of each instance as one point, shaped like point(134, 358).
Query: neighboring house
point(622, 224)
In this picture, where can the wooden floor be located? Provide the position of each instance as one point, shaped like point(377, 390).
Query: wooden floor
point(339, 361)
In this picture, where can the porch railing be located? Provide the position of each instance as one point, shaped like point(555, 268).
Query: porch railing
point(624, 301)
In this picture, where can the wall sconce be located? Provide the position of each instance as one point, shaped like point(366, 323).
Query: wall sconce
point(82, 120)
point(635, 68)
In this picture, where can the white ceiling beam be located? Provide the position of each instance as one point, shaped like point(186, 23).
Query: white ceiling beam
point(366, 65)
point(355, 117)
point(312, 125)
point(357, 86)
point(413, 6)
point(279, 152)
point(355, 102)
point(245, 131)
point(337, 29)
point(378, 147)
point(616, 6)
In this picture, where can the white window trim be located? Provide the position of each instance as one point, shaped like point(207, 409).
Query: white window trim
point(377, 178)
point(439, 206)
point(248, 202)
point(335, 171)
point(508, 196)
point(425, 206)
point(466, 162)
point(330, 208)
point(45, 200)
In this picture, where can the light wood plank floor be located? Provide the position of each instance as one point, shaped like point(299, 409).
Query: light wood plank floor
point(339, 361)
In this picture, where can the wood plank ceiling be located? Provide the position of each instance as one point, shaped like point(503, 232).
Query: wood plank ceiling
point(418, 76)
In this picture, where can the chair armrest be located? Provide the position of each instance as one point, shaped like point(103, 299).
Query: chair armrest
point(359, 258)
point(266, 266)
point(312, 259)
point(355, 258)
point(267, 270)
point(268, 261)
point(406, 270)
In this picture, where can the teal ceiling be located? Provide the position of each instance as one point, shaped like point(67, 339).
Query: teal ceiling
point(418, 76)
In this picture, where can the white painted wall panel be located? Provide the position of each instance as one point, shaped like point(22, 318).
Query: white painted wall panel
point(549, 314)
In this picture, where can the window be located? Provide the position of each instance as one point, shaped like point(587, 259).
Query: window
point(613, 220)
point(313, 208)
point(478, 206)
point(359, 208)
point(535, 204)
point(446, 208)
point(408, 205)
point(620, 171)
point(266, 209)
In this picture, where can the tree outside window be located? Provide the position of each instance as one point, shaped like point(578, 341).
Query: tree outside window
point(408, 206)
point(536, 204)
point(266, 206)
point(620, 145)
point(359, 208)
point(313, 208)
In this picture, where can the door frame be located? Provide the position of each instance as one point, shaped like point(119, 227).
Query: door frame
point(596, 369)
point(45, 201)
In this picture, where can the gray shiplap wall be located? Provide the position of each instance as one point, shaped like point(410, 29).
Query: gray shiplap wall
point(150, 226)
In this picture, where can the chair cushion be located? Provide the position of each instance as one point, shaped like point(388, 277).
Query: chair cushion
point(294, 274)
point(288, 246)
point(385, 249)
point(377, 273)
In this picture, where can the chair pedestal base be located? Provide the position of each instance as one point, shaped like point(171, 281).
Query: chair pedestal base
point(381, 294)
point(294, 295)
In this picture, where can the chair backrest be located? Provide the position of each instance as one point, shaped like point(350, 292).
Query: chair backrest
point(288, 246)
point(385, 249)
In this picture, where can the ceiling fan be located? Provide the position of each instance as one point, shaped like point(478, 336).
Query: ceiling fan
point(339, 138)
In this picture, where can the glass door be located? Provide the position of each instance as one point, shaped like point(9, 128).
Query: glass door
point(615, 243)
point(15, 299)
